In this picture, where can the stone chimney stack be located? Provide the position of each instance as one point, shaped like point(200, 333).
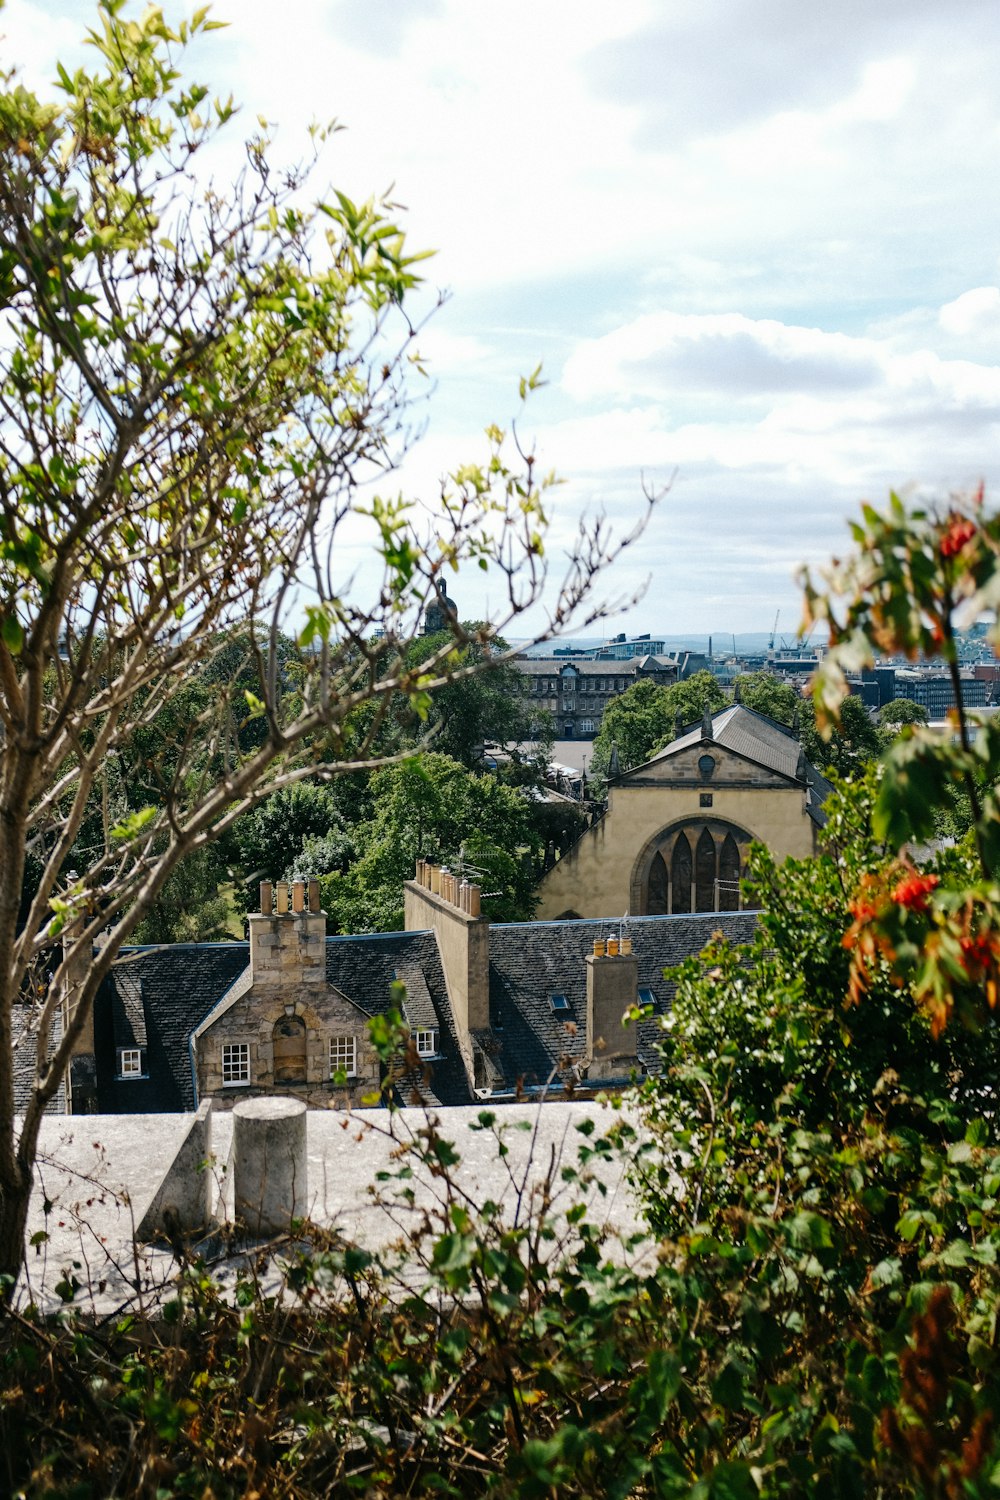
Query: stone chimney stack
point(436, 899)
point(612, 989)
point(288, 937)
point(81, 1089)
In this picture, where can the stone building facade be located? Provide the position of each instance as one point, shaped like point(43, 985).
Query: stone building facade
point(282, 1026)
point(675, 837)
point(577, 692)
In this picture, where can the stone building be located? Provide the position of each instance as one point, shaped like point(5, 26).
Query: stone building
point(677, 830)
point(577, 692)
point(500, 1011)
point(282, 1025)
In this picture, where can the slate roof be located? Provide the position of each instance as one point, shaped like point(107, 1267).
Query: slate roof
point(530, 961)
point(178, 985)
point(23, 1041)
point(757, 738)
point(156, 997)
point(181, 984)
point(363, 968)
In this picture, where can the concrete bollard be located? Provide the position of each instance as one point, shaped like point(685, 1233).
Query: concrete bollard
point(269, 1163)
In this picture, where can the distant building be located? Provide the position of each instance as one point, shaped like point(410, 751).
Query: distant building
point(935, 691)
point(577, 691)
point(440, 612)
point(620, 649)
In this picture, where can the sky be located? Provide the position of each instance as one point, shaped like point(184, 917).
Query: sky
point(754, 246)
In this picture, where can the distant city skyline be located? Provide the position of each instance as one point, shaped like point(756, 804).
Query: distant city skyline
point(754, 247)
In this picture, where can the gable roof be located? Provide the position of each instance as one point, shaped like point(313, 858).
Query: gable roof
point(23, 1040)
point(758, 739)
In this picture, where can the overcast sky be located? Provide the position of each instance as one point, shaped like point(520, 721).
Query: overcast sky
point(753, 243)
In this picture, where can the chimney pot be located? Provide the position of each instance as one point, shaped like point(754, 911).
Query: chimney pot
point(298, 895)
point(282, 897)
point(314, 896)
point(266, 898)
point(612, 947)
point(436, 879)
point(474, 894)
point(625, 948)
point(599, 947)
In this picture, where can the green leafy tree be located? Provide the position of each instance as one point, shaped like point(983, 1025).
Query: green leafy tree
point(494, 704)
point(431, 807)
point(268, 841)
point(194, 384)
point(846, 748)
point(644, 719)
point(767, 694)
point(901, 711)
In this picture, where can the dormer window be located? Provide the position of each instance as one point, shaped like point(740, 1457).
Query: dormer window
point(132, 1062)
point(426, 1042)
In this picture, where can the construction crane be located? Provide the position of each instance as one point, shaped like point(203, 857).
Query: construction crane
point(774, 632)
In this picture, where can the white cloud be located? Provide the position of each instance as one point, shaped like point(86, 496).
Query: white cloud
point(975, 313)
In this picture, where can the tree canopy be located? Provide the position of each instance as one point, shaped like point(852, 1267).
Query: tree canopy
point(644, 718)
point(200, 389)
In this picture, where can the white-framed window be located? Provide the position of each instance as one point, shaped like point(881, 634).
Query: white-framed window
point(426, 1042)
point(235, 1064)
point(343, 1056)
point(131, 1063)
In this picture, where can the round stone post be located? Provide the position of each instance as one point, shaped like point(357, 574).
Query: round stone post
point(269, 1163)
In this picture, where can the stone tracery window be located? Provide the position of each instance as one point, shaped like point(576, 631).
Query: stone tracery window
point(658, 899)
point(729, 875)
point(693, 866)
point(704, 896)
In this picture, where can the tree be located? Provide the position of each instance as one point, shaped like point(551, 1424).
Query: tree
point(767, 694)
point(492, 705)
point(431, 807)
point(901, 711)
point(644, 718)
point(913, 575)
point(847, 747)
point(195, 386)
point(269, 840)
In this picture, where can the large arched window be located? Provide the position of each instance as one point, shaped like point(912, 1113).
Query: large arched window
point(691, 865)
point(682, 874)
point(705, 873)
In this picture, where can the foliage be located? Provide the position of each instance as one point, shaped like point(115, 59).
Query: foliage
point(916, 575)
point(767, 694)
point(269, 840)
point(845, 748)
point(824, 1193)
point(644, 719)
point(900, 711)
point(199, 390)
point(491, 705)
point(431, 807)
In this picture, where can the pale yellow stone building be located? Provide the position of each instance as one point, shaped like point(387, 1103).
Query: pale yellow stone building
point(677, 830)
